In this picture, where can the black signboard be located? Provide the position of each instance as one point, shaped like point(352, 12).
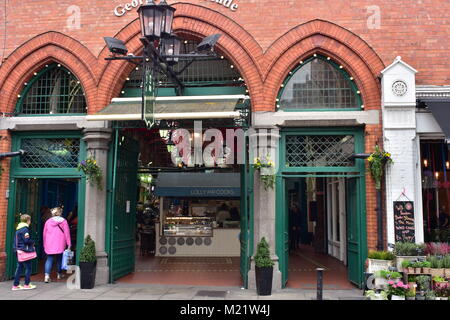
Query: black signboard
point(404, 221)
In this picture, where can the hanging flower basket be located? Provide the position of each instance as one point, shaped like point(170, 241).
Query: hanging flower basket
point(92, 171)
point(266, 169)
point(377, 162)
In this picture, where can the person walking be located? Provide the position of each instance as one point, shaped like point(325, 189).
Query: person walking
point(23, 245)
point(56, 240)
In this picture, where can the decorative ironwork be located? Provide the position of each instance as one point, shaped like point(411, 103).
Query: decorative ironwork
point(50, 152)
point(320, 150)
point(204, 71)
point(55, 91)
point(319, 84)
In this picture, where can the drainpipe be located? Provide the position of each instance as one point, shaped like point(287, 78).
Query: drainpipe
point(379, 210)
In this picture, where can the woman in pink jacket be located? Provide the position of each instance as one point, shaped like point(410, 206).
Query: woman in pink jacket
point(56, 240)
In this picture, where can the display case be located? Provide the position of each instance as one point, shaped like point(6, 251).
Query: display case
point(187, 226)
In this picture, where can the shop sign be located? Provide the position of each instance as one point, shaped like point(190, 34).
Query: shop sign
point(123, 8)
point(404, 221)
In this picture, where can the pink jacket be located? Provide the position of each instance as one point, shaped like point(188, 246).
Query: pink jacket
point(56, 235)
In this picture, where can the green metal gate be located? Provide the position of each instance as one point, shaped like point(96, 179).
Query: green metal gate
point(246, 234)
point(122, 222)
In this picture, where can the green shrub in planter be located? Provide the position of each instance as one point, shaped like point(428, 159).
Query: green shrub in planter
point(263, 269)
point(409, 249)
point(88, 262)
point(381, 255)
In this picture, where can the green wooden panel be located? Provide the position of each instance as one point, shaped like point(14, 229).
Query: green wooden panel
point(282, 229)
point(353, 232)
point(246, 235)
point(123, 218)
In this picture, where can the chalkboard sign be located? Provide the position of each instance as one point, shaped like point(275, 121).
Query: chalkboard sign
point(404, 221)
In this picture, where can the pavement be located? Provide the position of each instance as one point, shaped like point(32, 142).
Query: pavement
point(125, 291)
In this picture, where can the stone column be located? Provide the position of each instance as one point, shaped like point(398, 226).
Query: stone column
point(263, 142)
point(400, 139)
point(97, 145)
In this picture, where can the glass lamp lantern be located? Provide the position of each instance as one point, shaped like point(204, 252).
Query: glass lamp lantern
point(171, 47)
point(167, 18)
point(150, 15)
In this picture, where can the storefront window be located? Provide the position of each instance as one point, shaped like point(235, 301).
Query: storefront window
point(436, 190)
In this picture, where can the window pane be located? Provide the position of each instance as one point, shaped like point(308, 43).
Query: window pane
point(56, 91)
point(318, 85)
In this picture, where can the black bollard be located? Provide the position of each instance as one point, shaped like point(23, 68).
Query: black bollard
point(320, 283)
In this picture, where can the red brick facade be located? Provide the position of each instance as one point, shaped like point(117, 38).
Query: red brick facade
point(265, 40)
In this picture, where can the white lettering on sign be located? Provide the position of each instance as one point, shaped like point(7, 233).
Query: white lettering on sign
point(123, 8)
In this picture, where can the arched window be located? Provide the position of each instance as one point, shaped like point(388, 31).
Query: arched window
point(319, 83)
point(203, 72)
point(53, 90)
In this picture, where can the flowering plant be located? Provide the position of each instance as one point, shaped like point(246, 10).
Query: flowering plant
point(397, 288)
point(442, 289)
point(92, 171)
point(377, 160)
point(268, 166)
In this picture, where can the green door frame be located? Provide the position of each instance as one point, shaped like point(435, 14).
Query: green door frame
point(285, 172)
point(16, 172)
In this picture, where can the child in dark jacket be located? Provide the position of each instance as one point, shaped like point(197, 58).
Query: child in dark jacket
point(23, 241)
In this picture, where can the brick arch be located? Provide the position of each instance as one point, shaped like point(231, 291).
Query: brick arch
point(359, 60)
point(39, 51)
point(236, 44)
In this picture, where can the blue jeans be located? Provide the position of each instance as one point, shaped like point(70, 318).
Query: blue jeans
point(19, 270)
point(49, 263)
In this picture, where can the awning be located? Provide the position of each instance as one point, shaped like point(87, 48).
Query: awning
point(173, 108)
point(440, 108)
point(201, 185)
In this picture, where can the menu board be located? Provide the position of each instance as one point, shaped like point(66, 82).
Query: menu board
point(404, 221)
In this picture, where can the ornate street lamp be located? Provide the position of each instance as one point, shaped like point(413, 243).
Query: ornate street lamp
point(171, 46)
point(161, 52)
point(167, 18)
point(150, 15)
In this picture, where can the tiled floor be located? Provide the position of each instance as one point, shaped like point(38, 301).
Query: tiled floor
point(302, 270)
point(225, 271)
point(220, 272)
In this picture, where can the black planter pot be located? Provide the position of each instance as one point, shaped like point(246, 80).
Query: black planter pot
point(264, 280)
point(87, 277)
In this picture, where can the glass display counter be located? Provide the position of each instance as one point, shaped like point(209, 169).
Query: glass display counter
point(187, 226)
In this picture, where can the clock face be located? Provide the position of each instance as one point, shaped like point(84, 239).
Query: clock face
point(399, 88)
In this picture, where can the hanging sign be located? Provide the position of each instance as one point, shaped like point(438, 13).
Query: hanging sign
point(404, 221)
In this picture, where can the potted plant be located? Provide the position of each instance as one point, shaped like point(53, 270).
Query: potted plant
point(381, 279)
point(447, 265)
point(430, 295)
point(437, 266)
point(417, 267)
point(408, 251)
point(426, 267)
point(88, 263)
point(423, 283)
point(266, 169)
point(379, 260)
point(397, 290)
point(410, 295)
point(407, 266)
point(92, 171)
point(373, 295)
point(263, 269)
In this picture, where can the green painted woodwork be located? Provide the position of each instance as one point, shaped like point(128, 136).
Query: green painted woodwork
point(22, 200)
point(247, 225)
point(357, 242)
point(122, 220)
